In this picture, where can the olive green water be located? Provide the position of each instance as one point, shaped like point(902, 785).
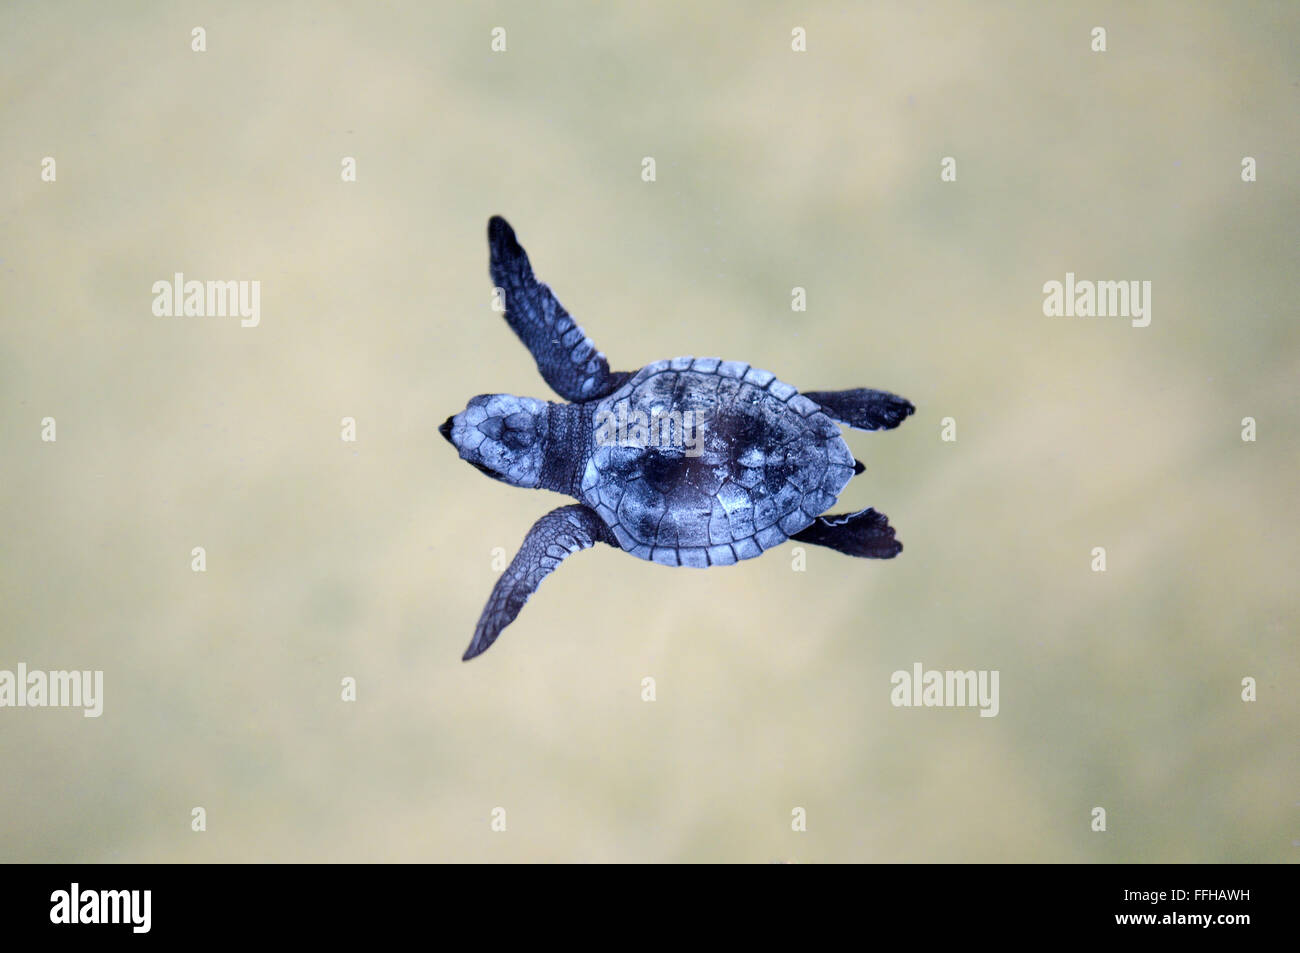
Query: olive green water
point(774, 170)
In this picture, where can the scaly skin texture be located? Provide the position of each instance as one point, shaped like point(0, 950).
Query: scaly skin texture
point(569, 435)
point(503, 436)
point(863, 409)
point(525, 442)
point(866, 534)
point(764, 463)
point(553, 538)
point(765, 466)
point(567, 359)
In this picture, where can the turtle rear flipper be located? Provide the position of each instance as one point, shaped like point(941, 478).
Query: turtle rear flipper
point(553, 537)
point(865, 533)
point(567, 359)
point(863, 409)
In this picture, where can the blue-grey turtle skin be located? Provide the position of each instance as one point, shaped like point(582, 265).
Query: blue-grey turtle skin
point(687, 462)
point(767, 463)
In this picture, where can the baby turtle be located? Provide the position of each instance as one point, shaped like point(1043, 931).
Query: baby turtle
point(687, 462)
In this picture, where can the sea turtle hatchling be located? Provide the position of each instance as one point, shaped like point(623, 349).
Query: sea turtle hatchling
point(687, 462)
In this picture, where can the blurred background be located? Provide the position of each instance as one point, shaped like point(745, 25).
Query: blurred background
point(775, 169)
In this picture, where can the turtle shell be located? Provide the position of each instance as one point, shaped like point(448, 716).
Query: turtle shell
point(703, 462)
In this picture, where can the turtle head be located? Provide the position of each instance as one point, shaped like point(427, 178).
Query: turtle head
point(502, 436)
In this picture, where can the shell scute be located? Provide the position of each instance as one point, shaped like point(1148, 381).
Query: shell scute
point(719, 462)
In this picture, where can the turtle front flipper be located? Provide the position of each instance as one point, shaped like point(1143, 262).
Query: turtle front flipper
point(862, 409)
point(569, 362)
point(865, 533)
point(553, 537)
